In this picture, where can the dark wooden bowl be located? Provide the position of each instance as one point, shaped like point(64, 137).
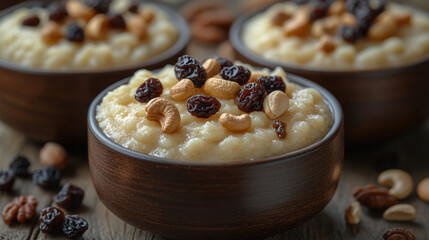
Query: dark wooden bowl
point(48, 105)
point(377, 104)
point(244, 200)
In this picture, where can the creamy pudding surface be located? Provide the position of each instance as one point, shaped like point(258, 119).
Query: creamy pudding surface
point(339, 38)
point(123, 119)
point(85, 37)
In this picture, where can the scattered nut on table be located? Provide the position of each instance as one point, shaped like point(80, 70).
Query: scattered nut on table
point(53, 154)
point(400, 212)
point(399, 234)
point(374, 197)
point(400, 182)
point(21, 209)
point(353, 213)
point(423, 189)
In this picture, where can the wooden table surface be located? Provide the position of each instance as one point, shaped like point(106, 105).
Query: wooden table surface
point(412, 149)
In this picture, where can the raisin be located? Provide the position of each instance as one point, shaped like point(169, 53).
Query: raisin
point(74, 226)
point(74, 32)
point(48, 177)
point(272, 83)
point(133, 8)
point(51, 220)
point(224, 62)
point(148, 90)
point(349, 33)
point(100, 6)
point(280, 128)
point(69, 197)
point(203, 106)
point(117, 21)
point(7, 178)
point(32, 21)
point(251, 97)
point(188, 67)
point(57, 11)
point(238, 74)
point(319, 9)
point(19, 166)
point(364, 13)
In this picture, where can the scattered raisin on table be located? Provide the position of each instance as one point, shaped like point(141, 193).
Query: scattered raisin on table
point(398, 233)
point(224, 62)
point(74, 226)
point(57, 11)
point(69, 197)
point(188, 67)
point(100, 6)
point(7, 178)
point(51, 220)
point(74, 32)
point(48, 177)
point(20, 166)
point(280, 128)
point(251, 97)
point(21, 209)
point(32, 21)
point(272, 83)
point(117, 21)
point(238, 74)
point(203, 106)
point(148, 90)
point(133, 8)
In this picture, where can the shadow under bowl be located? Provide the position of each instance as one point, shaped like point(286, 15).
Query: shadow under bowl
point(242, 200)
point(377, 103)
point(51, 105)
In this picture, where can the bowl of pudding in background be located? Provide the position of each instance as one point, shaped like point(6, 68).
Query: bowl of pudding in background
point(48, 80)
point(380, 80)
point(203, 181)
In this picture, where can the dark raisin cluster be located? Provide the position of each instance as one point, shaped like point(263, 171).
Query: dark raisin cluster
point(319, 8)
point(188, 67)
point(238, 74)
point(69, 197)
point(57, 11)
point(148, 90)
point(74, 32)
point(53, 220)
point(203, 106)
point(20, 166)
point(117, 21)
point(280, 128)
point(48, 177)
point(251, 97)
point(74, 226)
point(7, 178)
point(272, 83)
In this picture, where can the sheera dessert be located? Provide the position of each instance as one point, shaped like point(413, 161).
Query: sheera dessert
point(352, 34)
point(218, 111)
point(88, 34)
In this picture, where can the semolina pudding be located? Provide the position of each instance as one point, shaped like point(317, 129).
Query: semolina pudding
point(218, 111)
point(87, 34)
point(352, 34)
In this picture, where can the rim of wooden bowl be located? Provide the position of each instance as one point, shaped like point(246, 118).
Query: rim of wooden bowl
point(329, 99)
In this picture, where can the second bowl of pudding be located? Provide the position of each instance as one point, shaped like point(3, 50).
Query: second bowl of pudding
point(215, 158)
point(56, 57)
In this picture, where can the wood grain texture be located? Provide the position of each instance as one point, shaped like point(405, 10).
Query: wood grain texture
point(52, 105)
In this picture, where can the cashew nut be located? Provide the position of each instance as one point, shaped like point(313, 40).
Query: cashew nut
point(327, 44)
point(353, 213)
point(138, 27)
point(164, 112)
point(76, 9)
point(383, 28)
point(328, 25)
point(400, 182)
point(298, 24)
point(255, 75)
point(276, 104)
point(220, 88)
point(423, 189)
point(147, 15)
point(97, 27)
point(337, 8)
point(52, 33)
point(349, 19)
point(212, 67)
point(403, 18)
point(182, 90)
point(400, 212)
point(235, 123)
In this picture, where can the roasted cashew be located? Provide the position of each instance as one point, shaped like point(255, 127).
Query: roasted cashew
point(235, 123)
point(400, 182)
point(137, 26)
point(52, 33)
point(384, 27)
point(276, 104)
point(255, 75)
point(220, 88)
point(298, 24)
point(327, 44)
point(353, 213)
point(97, 27)
point(164, 112)
point(400, 212)
point(423, 189)
point(182, 90)
point(76, 9)
point(212, 67)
